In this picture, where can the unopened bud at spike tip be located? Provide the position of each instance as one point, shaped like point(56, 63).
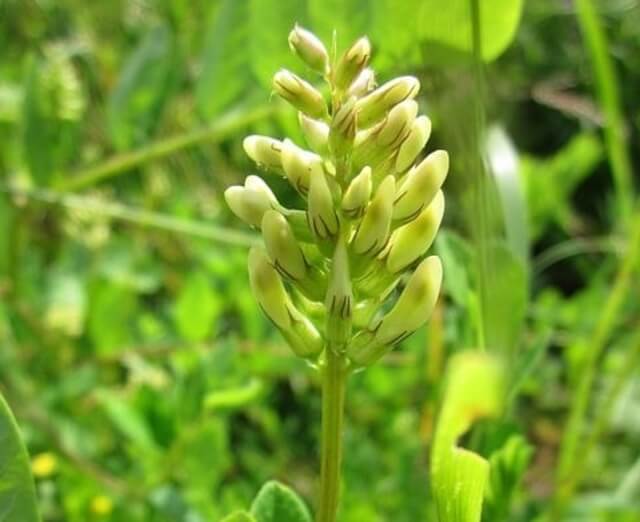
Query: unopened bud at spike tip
point(420, 186)
point(299, 93)
point(250, 202)
point(282, 246)
point(415, 304)
point(309, 48)
point(268, 288)
point(415, 142)
point(373, 233)
point(412, 240)
point(323, 220)
point(363, 84)
point(374, 105)
point(265, 151)
point(316, 133)
point(357, 195)
point(354, 60)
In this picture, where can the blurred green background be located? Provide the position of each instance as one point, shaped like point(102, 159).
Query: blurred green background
point(147, 383)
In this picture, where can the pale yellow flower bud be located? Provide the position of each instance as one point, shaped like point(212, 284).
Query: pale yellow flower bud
point(268, 288)
point(265, 151)
point(323, 219)
point(415, 304)
point(413, 144)
point(250, 202)
point(373, 107)
point(357, 195)
point(316, 133)
point(339, 298)
point(412, 240)
point(309, 48)
point(421, 185)
point(282, 246)
point(373, 233)
point(398, 124)
point(354, 60)
point(363, 84)
point(343, 129)
point(298, 164)
point(300, 93)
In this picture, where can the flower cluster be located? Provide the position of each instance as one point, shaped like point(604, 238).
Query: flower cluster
point(328, 276)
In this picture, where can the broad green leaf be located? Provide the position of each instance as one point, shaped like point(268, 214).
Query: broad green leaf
point(394, 34)
point(17, 492)
point(269, 26)
point(142, 89)
point(112, 310)
point(349, 19)
point(474, 390)
point(507, 284)
point(446, 28)
point(276, 502)
point(239, 516)
point(225, 66)
point(127, 419)
point(233, 398)
point(197, 307)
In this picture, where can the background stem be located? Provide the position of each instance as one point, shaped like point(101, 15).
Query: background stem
point(333, 391)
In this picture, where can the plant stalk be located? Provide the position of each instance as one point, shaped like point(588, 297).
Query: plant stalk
point(333, 392)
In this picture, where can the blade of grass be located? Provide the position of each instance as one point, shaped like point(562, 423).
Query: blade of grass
point(222, 128)
point(609, 98)
point(136, 216)
point(579, 407)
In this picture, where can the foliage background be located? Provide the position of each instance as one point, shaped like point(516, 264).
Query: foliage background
point(147, 384)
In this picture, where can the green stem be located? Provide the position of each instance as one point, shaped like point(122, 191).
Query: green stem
point(137, 216)
point(609, 97)
point(577, 416)
point(224, 127)
point(333, 392)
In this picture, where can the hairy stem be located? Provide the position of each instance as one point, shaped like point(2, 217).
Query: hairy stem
point(333, 391)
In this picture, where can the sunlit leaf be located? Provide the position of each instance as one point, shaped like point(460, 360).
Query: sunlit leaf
point(278, 503)
point(445, 28)
point(225, 69)
point(239, 516)
point(269, 25)
point(474, 390)
point(197, 307)
point(17, 493)
point(349, 18)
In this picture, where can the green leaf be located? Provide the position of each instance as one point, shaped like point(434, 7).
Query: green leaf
point(349, 18)
point(239, 516)
point(127, 419)
point(269, 24)
point(234, 398)
point(225, 68)
point(474, 390)
point(508, 286)
point(17, 492)
point(445, 28)
point(508, 465)
point(146, 79)
point(112, 310)
point(276, 502)
point(197, 307)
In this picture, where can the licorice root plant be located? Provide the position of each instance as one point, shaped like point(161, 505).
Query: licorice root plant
point(345, 279)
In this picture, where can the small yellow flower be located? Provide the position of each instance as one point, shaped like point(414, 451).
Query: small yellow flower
point(101, 505)
point(44, 465)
